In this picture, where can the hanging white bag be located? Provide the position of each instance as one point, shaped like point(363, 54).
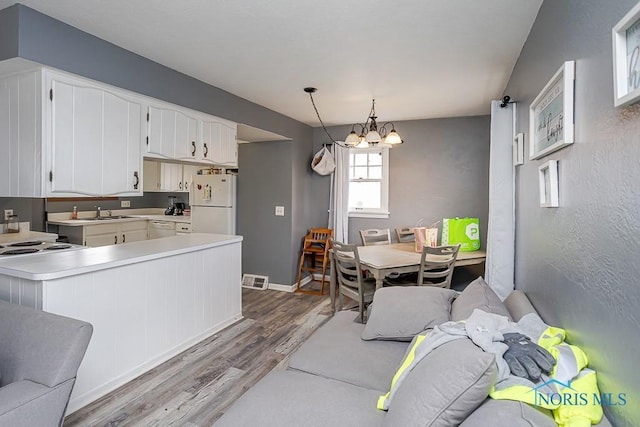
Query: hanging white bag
point(323, 162)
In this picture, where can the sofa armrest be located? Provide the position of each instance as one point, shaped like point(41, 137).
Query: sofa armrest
point(38, 346)
point(518, 305)
point(26, 403)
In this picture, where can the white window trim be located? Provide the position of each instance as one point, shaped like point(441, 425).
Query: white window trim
point(383, 212)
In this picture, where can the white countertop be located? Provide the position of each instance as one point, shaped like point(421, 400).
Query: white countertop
point(70, 263)
point(130, 217)
point(23, 236)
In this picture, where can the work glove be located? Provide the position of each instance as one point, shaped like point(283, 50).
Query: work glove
point(525, 358)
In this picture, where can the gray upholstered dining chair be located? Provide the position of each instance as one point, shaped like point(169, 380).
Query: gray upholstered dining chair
point(348, 273)
point(436, 265)
point(374, 236)
point(405, 235)
point(39, 357)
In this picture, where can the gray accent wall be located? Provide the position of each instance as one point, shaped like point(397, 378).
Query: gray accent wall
point(27, 209)
point(441, 171)
point(53, 43)
point(579, 263)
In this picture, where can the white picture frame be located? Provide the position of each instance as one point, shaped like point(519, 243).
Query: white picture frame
point(626, 58)
point(548, 182)
point(551, 125)
point(518, 149)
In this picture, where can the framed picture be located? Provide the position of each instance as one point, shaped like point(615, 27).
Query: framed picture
point(548, 177)
point(626, 58)
point(551, 114)
point(518, 149)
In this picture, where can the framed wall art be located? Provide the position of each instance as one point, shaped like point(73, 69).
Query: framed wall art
point(548, 177)
point(626, 58)
point(518, 149)
point(551, 114)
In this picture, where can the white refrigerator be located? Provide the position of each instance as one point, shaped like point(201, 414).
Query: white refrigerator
point(212, 199)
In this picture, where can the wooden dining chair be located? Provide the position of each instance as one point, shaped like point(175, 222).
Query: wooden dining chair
point(350, 281)
point(314, 258)
point(436, 265)
point(374, 236)
point(405, 235)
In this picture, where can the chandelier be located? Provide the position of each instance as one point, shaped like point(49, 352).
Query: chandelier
point(369, 134)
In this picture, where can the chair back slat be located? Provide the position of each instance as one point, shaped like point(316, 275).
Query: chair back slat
point(436, 265)
point(374, 236)
point(405, 235)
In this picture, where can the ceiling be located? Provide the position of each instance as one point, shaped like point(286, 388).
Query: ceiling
point(418, 58)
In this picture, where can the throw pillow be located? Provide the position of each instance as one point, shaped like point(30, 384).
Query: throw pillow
point(478, 294)
point(444, 387)
point(400, 313)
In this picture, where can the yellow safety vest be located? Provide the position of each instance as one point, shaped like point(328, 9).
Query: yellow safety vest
point(573, 386)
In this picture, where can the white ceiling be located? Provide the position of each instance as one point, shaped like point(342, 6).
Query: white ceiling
point(417, 58)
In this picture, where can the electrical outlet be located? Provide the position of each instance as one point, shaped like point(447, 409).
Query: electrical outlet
point(125, 203)
point(279, 210)
point(7, 214)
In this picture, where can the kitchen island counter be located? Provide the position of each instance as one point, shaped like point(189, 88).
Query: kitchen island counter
point(147, 301)
point(64, 264)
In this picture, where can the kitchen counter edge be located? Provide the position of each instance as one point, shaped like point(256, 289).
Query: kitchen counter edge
point(71, 263)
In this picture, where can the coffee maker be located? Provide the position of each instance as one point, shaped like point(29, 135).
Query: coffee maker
point(179, 210)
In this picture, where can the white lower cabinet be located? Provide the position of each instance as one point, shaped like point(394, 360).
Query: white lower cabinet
point(112, 233)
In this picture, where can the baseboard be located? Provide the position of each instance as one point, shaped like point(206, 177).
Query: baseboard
point(289, 288)
point(294, 287)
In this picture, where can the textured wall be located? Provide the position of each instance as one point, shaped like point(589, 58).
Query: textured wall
point(579, 263)
point(441, 171)
point(265, 183)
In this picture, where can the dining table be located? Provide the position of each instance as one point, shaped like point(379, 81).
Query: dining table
point(382, 260)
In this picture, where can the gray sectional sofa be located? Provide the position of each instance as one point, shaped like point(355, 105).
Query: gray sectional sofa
point(337, 377)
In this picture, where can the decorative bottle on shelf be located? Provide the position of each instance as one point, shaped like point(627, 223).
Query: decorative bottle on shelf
point(74, 214)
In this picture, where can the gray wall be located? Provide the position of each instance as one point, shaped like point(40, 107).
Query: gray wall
point(441, 171)
point(50, 42)
point(28, 209)
point(579, 262)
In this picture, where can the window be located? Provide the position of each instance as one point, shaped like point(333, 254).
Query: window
point(369, 182)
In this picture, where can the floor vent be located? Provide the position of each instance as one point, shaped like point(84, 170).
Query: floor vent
point(254, 281)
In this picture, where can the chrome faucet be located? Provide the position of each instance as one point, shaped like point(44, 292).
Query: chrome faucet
point(97, 211)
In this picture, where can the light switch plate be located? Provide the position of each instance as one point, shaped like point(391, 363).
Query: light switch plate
point(125, 203)
point(279, 210)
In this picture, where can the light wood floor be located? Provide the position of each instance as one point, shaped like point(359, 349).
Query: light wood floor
point(197, 386)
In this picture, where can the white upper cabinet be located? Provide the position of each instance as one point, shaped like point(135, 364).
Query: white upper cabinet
point(219, 144)
point(94, 139)
point(21, 135)
point(172, 133)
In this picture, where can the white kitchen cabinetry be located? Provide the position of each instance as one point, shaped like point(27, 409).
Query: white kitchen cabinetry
point(167, 177)
point(187, 175)
point(93, 139)
point(172, 133)
point(112, 233)
point(21, 135)
point(219, 143)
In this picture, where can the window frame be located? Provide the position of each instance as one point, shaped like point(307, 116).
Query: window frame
point(383, 211)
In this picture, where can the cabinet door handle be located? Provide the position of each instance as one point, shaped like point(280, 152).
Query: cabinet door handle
point(180, 185)
point(115, 239)
point(193, 144)
point(206, 149)
point(135, 185)
point(124, 238)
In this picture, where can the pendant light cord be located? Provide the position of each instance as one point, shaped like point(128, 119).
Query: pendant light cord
point(321, 122)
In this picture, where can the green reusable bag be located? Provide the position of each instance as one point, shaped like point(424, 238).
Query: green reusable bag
point(465, 231)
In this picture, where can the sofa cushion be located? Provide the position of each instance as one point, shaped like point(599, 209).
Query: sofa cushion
point(336, 351)
point(400, 313)
point(292, 398)
point(444, 387)
point(509, 412)
point(478, 294)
